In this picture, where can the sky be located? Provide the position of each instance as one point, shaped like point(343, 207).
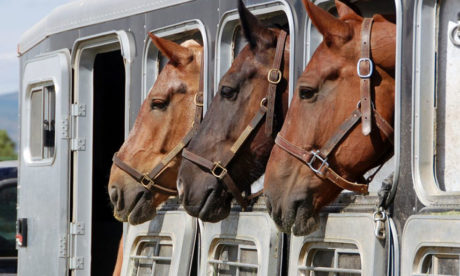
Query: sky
point(16, 17)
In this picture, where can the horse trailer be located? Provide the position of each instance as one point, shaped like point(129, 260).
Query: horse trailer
point(87, 57)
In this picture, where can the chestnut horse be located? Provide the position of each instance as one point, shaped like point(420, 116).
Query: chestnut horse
point(165, 117)
point(324, 121)
point(231, 130)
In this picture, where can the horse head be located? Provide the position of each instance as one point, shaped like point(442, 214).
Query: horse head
point(165, 117)
point(240, 96)
point(327, 95)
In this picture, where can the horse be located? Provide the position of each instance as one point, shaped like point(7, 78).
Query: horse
point(166, 116)
point(231, 147)
point(162, 128)
point(339, 124)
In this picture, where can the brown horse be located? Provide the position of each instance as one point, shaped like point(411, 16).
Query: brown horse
point(240, 96)
point(165, 117)
point(327, 93)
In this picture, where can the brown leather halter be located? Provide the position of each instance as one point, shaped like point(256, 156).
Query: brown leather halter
point(148, 180)
point(365, 111)
point(267, 106)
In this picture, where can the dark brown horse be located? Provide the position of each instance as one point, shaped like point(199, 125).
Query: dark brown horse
point(165, 117)
point(328, 94)
point(239, 98)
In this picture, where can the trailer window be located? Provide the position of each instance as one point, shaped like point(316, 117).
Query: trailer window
point(231, 40)
point(42, 122)
point(436, 133)
point(438, 261)
point(234, 258)
point(152, 256)
point(324, 259)
point(154, 61)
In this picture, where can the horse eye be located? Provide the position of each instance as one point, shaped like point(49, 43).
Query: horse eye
point(158, 105)
point(306, 92)
point(228, 92)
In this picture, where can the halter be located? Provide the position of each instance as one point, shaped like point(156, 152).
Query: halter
point(365, 111)
point(267, 107)
point(149, 180)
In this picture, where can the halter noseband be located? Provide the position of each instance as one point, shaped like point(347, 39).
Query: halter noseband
point(267, 108)
point(365, 111)
point(148, 180)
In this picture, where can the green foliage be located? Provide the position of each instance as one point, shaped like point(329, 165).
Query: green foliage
point(6, 147)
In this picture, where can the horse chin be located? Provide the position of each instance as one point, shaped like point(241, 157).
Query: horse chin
point(216, 207)
point(141, 212)
point(301, 220)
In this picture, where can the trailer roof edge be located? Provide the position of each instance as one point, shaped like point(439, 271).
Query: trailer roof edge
point(82, 13)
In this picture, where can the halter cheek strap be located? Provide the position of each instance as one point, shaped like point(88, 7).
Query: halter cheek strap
point(267, 106)
point(148, 179)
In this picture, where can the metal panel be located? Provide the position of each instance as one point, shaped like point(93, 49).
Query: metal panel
point(175, 225)
point(342, 231)
point(43, 190)
point(427, 231)
point(435, 134)
point(239, 227)
point(84, 53)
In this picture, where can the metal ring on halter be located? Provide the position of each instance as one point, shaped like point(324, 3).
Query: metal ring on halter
point(263, 103)
point(218, 170)
point(371, 68)
point(278, 72)
point(195, 100)
point(146, 181)
point(454, 35)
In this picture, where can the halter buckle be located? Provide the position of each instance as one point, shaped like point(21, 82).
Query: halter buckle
point(218, 170)
point(278, 73)
point(146, 181)
point(318, 157)
point(371, 68)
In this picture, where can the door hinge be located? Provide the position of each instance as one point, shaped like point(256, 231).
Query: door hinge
point(78, 110)
point(78, 144)
point(77, 263)
point(77, 228)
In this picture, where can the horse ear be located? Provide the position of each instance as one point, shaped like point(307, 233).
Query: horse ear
point(329, 26)
point(345, 12)
point(176, 53)
point(256, 34)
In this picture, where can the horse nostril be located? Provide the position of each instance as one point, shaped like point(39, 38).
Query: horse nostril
point(114, 196)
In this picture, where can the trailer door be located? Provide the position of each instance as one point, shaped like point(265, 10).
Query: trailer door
point(43, 190)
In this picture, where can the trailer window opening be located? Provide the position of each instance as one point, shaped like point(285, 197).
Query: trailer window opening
point(436, 133)
point(234, 258)
point(155, 61)
point(330, 259)
point(447, 100)
point(152, 256)
point(437, 261)
point(42, 122)
point(232, 41)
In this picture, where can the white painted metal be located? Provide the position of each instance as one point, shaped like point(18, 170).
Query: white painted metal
point(176, 225)
point(43, 190)
point(348, 229)
point(256, 227)
point(442, 234)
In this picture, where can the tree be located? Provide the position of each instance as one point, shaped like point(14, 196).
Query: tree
point(6, 147)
